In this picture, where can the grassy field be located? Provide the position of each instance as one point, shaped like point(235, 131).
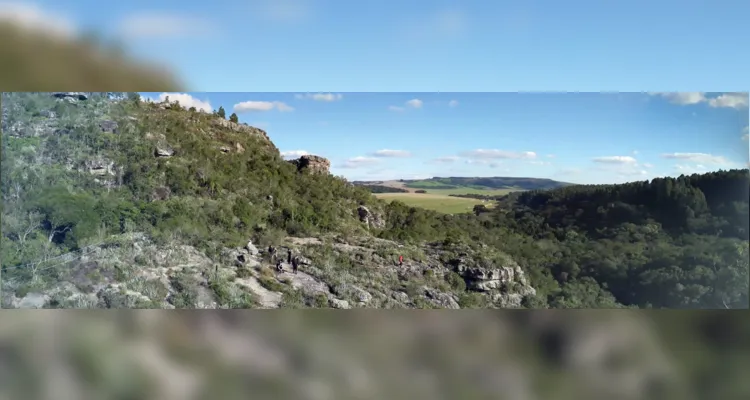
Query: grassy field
point(438, 199)
point(438, 202)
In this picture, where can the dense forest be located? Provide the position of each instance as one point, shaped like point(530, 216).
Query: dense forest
point(381, 188)
point(671, 242)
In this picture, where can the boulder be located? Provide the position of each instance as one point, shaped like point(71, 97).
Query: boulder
point(312, 164)
point(371, 219)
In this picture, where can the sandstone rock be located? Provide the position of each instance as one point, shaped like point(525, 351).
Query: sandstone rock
point(440, 299)
point(371, 219)
point(99, 167)
point(243, 128)
point(312, 164)
point(340, 304)
point(70, 96)
point(250, 247)
point(108, 126)
point(163, 150)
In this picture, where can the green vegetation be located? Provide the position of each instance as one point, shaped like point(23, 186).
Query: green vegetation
point(436, 202)
point(484, 183)
point(72, 183)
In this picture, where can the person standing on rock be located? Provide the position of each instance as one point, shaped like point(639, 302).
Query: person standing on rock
point(272, 253)
point(289, 256)
point(400, 260)
point(295, 264)
point(279, 266)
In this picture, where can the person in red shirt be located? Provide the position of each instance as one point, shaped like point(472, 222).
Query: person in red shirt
point(400, 260)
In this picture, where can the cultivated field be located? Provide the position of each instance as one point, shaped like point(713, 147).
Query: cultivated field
point(438, 202)
point(439, 199)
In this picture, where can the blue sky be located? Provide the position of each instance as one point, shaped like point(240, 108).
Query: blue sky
point(581, 138)
point(420, 49)
point(428, 46)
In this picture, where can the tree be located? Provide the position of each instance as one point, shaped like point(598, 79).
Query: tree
point(221, 113)
point(234, 118)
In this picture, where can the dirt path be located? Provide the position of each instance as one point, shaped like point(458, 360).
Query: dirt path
point(267, 298)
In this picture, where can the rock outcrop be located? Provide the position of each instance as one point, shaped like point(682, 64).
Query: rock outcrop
point(312, 164)
point(369, 218)
point(244, 128)
point(507, 284)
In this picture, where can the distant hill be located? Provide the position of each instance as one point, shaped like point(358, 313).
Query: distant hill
point(478, 183)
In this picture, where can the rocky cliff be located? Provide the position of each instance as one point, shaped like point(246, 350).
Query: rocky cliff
point(312, 164)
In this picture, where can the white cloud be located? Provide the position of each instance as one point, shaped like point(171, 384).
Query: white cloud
point(453, 103)
point(446, 159)
point(328, 97)
point(730, 100)
point(726, 100)
point(647, 165)
point(414, 103)
point(391, 153)
point(32, 17)
point(682, 98)
point(186, 101)
point(745, 137)
point(701, 158)
point(294, 153)
point(498, 154)
point(358, 162)
point(260, 106)
point(164, 26)
point(615, 160)
point(690, 169)
point(540, 162)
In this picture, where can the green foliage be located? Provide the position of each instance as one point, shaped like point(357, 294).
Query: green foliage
point(221, 113)
point(671, 242)
point(234, 118)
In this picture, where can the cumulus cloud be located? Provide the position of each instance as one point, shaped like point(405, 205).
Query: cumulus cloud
point(730, 100)
point(413, 103)
point(453, 103)
point(391, 153)
point(745, 136)
point(682, 98)
point(164, 26)
point(700, 158)
point(32, 17)
point(359, 162)
point(261, 106)
point(615, 160)
point(186, 101)
point(445, 160)
point(498, 154)
point(327, 97)
point(726, 100)
point(294, 153)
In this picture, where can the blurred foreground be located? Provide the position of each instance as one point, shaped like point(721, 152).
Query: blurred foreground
point(373, 355)
point(38, 53)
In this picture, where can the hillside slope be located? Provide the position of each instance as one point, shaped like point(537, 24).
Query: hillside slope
point(112, 202)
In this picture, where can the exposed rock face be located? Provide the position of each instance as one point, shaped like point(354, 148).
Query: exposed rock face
point(312, 164)
point(108, 126)
point(506, 284)
point(372, 220)
point(163, 150)
point(251, 130)
point(100, 167)
point(70, 96)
